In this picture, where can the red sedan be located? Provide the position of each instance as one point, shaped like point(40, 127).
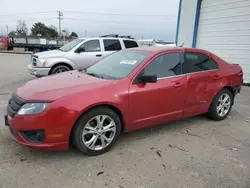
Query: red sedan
point(126, 91)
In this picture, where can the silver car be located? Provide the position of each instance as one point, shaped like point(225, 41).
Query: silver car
point(77, 54)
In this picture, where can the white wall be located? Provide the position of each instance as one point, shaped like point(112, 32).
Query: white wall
point(187, 20)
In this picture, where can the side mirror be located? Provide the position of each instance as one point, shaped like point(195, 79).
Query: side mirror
point(148, 78)
point(80, 49)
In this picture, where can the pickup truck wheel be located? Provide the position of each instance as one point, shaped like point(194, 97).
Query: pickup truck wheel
point(221, 105)
point(60, 68)
point(96, 131)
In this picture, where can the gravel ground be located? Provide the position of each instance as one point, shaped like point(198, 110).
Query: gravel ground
point(195, 152)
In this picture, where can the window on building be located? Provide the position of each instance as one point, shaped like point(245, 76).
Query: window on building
point(196, 62)
point(130, 44)
point(112, 45)
point(164, 65)
point(92, 46)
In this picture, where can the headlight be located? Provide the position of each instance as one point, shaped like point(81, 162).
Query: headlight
point(32, 108)
point(42, 62)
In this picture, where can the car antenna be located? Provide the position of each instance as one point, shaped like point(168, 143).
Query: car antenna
point(183, 42)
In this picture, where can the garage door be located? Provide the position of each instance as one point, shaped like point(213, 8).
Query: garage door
point(224, 29)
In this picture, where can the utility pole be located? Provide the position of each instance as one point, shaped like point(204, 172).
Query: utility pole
point(64, 31)
point(60, 17)
point(85, 33)
point(7, 29)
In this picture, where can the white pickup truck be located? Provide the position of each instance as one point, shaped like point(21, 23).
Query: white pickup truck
point(78, 54)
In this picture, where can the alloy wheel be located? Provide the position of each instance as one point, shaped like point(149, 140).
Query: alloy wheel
point(60, 70)
point(99, 132)
point(223, 104)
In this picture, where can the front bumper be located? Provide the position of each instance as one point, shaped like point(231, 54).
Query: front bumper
point(53, 140)
point(37, 71)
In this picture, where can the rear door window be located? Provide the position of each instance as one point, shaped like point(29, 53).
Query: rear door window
point(196, 62)
point(112, 45)
point(130, 44)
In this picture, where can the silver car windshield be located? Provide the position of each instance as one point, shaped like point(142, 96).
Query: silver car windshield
point(117, 65)
point(67, 47)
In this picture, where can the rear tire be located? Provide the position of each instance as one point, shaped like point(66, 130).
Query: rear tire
point(221, 105)
point(59, 69)
point(93, 138)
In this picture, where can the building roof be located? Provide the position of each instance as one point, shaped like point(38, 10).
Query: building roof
point(147, 40)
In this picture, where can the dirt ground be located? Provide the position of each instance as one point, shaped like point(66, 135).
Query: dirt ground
point(195, 152)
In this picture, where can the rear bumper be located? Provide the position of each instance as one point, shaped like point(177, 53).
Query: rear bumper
point(237, 89)
point(38, 71)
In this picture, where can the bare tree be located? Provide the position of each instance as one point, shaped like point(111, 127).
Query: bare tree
point(21, 28)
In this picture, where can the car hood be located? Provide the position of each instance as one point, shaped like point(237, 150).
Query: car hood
point(57, 86)
point(49, 54)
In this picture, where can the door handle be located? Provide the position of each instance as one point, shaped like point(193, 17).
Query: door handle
point(99, 55)
point(216, 77)
point(177, 84)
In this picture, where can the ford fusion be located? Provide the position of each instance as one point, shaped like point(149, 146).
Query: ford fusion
point(128, 90)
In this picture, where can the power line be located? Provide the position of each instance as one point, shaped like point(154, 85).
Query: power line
point(30, 13)
point(82, 19)
point(29, 19)
point(109, 21)
point(94, 13)
point(116, 14)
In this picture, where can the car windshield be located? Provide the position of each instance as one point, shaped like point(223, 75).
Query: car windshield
point(117, 65)
point(67, 47)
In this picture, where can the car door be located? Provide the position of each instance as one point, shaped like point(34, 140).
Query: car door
point(202, 82)
point(110, 46)
point(156, 103)
point(87, 54)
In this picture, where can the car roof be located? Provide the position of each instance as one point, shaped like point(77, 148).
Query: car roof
point(87, 38)
point(158, 49)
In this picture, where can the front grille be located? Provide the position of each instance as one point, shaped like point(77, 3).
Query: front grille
point(14, 104)
point(34, 60)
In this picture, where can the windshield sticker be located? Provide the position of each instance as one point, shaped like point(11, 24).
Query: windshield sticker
point(128, 62)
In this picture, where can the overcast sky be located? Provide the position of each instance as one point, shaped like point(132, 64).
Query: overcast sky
point(139, 18)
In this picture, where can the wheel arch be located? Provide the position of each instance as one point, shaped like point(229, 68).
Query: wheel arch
point(230, 88)
point(61, 63)
point(110, 106)
point(232, 91)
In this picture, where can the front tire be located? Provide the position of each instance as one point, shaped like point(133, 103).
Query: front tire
point(96, 131)
point(221, 105)
point(59, 69)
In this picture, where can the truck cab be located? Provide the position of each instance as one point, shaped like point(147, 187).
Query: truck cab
point(80, 53)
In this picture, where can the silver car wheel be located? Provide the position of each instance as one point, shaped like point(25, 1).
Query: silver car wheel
point(223, 104)
point(60, 70)
point(99, 132)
